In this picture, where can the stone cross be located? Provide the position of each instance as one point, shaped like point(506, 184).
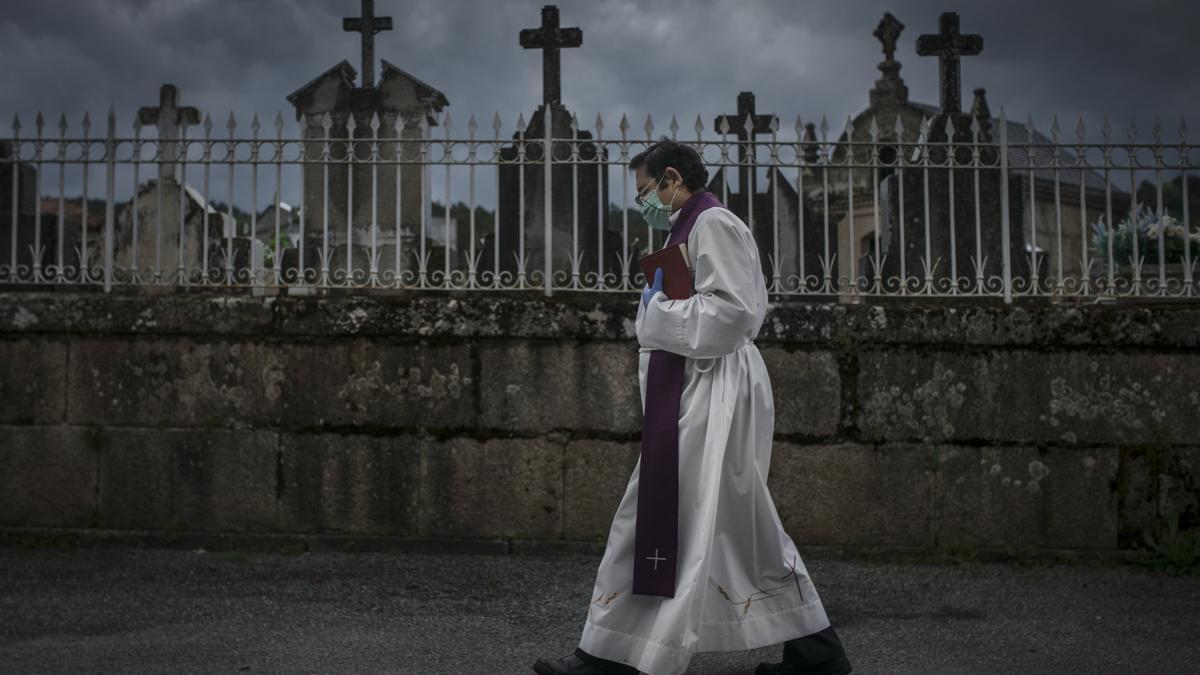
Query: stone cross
point(550, 39)
point(948, 45)
point(889, 89)
point(167, 117)
point(368, 24)
point(759, 124)
point(888, 32)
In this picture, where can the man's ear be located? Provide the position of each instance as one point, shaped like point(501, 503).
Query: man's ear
point(673, 175)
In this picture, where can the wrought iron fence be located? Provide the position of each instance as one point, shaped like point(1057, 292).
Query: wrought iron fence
point(926, 208)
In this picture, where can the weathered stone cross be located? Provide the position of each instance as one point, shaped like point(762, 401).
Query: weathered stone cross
point(948, 46)
point(550, 39)
point(888, 31)
point(655, 558)
point(760, 124)
point(889, 89)
point(368, 24)
point(167, 117)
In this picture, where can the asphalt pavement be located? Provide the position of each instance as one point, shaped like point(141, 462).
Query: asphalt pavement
point(178, 611)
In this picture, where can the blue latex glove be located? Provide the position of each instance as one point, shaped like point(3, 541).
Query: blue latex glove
point(656, 288)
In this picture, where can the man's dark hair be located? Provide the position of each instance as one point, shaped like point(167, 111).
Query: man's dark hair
point(683, 158)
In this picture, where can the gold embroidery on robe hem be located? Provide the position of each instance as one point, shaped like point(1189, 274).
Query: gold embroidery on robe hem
point(597, 600)
point(792, 573)
point(761, 594)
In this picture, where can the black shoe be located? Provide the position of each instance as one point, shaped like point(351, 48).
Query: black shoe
point(836, 666)
point(572, 665)
point(575, 665)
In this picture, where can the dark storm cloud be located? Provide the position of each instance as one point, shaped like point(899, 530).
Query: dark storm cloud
point(809, 58)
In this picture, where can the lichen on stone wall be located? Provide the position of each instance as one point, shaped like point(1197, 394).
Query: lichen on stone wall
point(1030, 479)
point(145, 319)
point(1037, 471)
point(24, 318)
point(878, 318)
point(408, 382)
point(1105, 400)
point(353, 320)
point(926, 410)
point(274, 380)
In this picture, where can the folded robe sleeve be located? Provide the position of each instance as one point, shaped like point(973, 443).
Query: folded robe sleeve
point(723, 308)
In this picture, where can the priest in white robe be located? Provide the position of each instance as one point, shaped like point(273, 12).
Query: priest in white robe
point(715, 569)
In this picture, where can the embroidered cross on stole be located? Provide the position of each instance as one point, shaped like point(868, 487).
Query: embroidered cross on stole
point(656, 534)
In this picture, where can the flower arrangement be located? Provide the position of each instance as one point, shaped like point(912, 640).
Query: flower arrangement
point(1146, 227)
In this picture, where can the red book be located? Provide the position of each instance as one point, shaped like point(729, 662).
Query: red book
point(676, 267)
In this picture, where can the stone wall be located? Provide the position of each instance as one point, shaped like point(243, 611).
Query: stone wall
point(505, 421)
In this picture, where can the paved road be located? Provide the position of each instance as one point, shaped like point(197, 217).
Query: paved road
point(160, 611)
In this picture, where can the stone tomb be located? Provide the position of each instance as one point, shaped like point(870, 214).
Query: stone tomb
point(960, 247)
point(151, 250)
point(349, 206)
point(579, 192)
point(364, 195)
point(23, 214)
point(584, 184)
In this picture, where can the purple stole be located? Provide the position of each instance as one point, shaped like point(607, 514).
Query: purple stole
point(657, 527)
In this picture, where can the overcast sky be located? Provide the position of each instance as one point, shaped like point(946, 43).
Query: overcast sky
point(1073, 57)
point(800, 57)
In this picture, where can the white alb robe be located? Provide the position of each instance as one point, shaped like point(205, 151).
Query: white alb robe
point(739, 577)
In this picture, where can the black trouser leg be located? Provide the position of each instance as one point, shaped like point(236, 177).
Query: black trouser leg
point(820, 651)
point(604, 665)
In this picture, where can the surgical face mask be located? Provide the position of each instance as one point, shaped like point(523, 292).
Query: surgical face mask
point(657, 214)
